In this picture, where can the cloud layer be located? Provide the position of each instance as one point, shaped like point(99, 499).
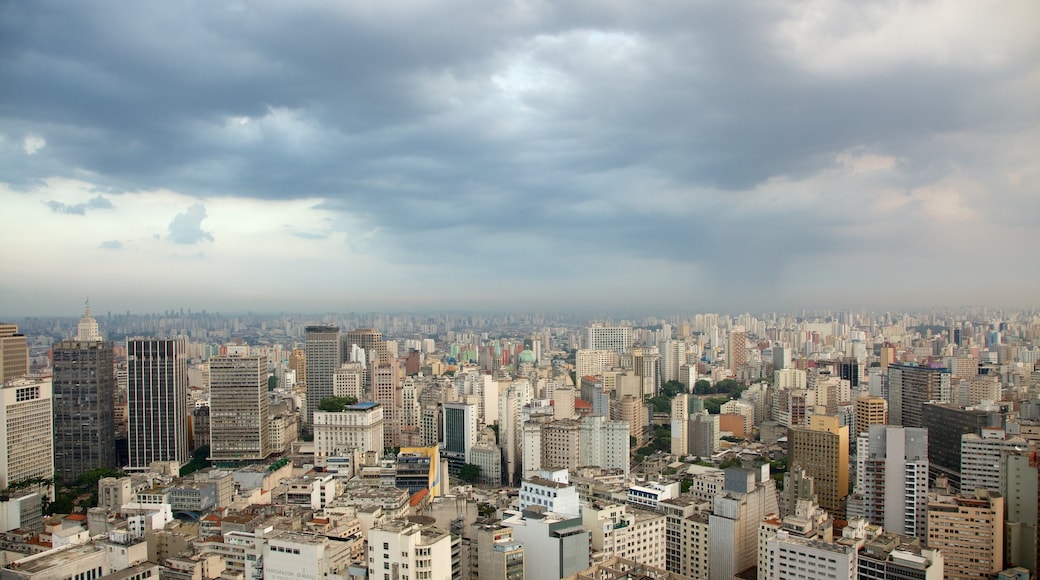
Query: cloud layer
point(677, 154)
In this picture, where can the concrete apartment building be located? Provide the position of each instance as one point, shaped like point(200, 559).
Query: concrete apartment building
point(240, 413)
point(969, 531)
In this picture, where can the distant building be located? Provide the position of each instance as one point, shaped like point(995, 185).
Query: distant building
point(14, 353)
point(910, 386)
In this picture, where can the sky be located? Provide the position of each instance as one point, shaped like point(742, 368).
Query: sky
point(320, 156)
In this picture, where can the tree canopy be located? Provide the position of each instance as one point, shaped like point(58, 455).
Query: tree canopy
point(469, 472)
point(336, 404)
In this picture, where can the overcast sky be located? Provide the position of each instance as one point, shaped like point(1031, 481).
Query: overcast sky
point(367, 155)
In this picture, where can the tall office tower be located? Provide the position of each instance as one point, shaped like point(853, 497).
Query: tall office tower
point(892, 479)
point(494, 554)
point(298, 364)
point(369, 339)
point(822, 450)
point(747, 496)
point(647, 364)
point(910, 386)
point(400, 548)
point(631, 410)
point(84, 404)
point(1022, 507)
point(516, 395)
point(736, 354)
point(981, 464)
point(673, 356)
point(888, 356)
point(969, 531)
point(869, 411)
point(26, 434)
point(240, 413)
point(460, 430)
point(14, 353)
point(680, 418)
point(323, 358)
point(157, 401)
point(386, 392)
point(591, 363)
point(781, 357)
point(613, 338)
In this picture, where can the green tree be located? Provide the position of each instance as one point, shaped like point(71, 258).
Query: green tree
point(661, 404)
point(469, 472)
point(336, 404)
point(672, 388)
point(702, 387)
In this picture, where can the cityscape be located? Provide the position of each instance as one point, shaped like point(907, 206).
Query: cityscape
point(828, 444)
point(471, 290)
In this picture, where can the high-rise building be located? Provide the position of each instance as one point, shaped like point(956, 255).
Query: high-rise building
point(157, 401)
point(386, 391)
point(1022, 505)
point(26, 434)
point(822, 450)
point(969, 531)
point(613, 338)
point(981, 463)
point(737, 512)
point(561, 543)
point(647, 364)
point(298, 364)
point(869, 411)
point(911, 386)
point(369, 339)
point(680, 417)
point(946, 424)
point(323, 358)
point(460, 430)
point(736, 354)
point(84, 408)
point(590, 363)
point(892, 479)
point(240, 413)
point(890, 556)
point(14, 353)
point(628, 532)
point(705, 433)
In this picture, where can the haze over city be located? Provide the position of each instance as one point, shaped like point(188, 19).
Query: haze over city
point(338, 156)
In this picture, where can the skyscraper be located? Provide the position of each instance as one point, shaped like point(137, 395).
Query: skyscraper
point(157, 399)
point(240, 415)
point(736, 354)
point(323, 358)
point(84, 401)
point(369, 339)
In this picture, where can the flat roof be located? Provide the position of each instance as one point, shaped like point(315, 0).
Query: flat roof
point(363, 406)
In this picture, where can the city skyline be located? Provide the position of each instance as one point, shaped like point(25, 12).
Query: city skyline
point(323, 156)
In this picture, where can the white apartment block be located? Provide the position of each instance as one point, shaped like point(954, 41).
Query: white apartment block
point(26, 431)
point(591, 363)
point(618, 530)
point(401, 550)
point(614, 338)
point(891, 488)
point(981, 459)
point(551, 490)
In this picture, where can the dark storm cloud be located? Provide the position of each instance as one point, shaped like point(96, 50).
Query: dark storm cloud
point(98, 202)
point(572, 128)
point(186, 228)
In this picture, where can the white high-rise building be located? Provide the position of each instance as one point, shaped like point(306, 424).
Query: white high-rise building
point(626, 532)
point(891, 487)
point(591, 362)
point(26, 432)
point(157, 401)
point(981, 466)
point(680, 418)
point(557, 546)
point(240, 414)
point(673, 356)
point(613, 338)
